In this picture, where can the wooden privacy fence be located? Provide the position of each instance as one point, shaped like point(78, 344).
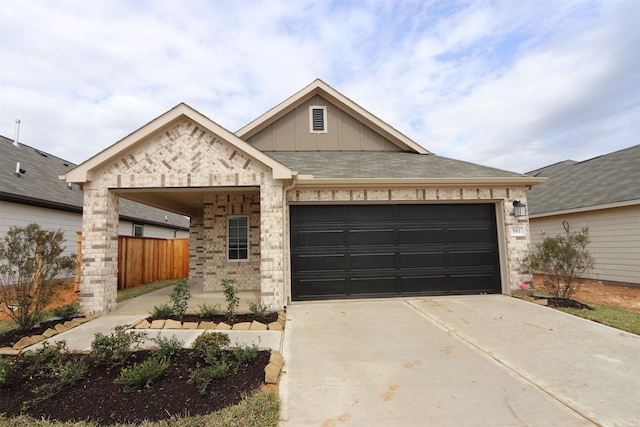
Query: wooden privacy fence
point(146, 259)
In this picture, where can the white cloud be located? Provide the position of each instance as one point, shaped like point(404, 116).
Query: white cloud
point(515, 85)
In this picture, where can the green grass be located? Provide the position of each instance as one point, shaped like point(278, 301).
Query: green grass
point(608, 315)
point(259, 410)
point(129, 293)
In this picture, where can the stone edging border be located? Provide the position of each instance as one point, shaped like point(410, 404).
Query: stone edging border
point(222, 326)
point(53, 331)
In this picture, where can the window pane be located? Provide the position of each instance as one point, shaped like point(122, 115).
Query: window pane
point(238, 237)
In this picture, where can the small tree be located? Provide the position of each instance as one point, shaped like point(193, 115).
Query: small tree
point(230, 296)
point(561, 259)
point(30, 260)
point(180, 298)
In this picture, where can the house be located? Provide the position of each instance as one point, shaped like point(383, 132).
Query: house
point(30, 191)
point(602, 194)
point(317, 198)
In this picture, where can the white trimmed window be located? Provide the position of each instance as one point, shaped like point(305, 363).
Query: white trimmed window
point(237, 237)
point(317, 119)
point(138, 230)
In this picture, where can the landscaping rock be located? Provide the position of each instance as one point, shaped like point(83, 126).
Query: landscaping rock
point(49, 333)
point(38, 338)
point(242, 326)
point(207, 325)
point(9, 351)
point(541, 301)
point(276, 358)
point(275, 326)
point(257, 326)
point(157, 324)
point(271, 373)
point(190, 325)
point(60, 328)
point(70, 324)
point(143, 324)
point(172, 324)
point(223, 326)
point(24, 342)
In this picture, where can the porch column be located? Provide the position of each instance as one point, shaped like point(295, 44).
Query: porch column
point(272, 246)
point(99, 283)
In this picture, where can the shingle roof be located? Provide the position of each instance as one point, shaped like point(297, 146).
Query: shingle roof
point(385, 165)
point(39, 185)
point(607, 179)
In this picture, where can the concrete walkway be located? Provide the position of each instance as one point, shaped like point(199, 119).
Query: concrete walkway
point(451, 361)
point(133, 310)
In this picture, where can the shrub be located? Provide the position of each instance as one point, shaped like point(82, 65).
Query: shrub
point(208, 311)
point(143, 374)
point(561, 260)
point(180, 298)
point(115, 348)
point(67, 311)
point(7, 368)
point(43, 358)
point(204, 376)
point(30, 260)
point(162, 311)
point(209, 345)
point(230, 296)
point(242, 355)
point(168, 347)
point(258, 310)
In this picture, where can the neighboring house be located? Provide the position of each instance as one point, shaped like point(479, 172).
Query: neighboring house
point(31, 191)
point(315, 199)
point(602, 194)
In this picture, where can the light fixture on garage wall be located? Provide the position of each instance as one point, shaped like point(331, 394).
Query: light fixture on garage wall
point(519, 208)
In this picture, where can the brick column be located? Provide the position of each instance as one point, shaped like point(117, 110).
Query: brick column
point(517, 246)
point(272, 246)
point(99, 283)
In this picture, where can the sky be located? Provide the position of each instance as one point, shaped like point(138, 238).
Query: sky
point(514, 84)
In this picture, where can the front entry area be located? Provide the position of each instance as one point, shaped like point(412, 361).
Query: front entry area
point(361, 251)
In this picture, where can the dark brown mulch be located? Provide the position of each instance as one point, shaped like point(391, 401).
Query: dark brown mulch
point(567, 303)
point(97, 398)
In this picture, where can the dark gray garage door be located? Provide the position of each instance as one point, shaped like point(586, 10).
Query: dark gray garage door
point(356, 251)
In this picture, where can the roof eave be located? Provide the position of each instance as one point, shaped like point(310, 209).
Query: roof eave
point(586, 209)
point(310, 181)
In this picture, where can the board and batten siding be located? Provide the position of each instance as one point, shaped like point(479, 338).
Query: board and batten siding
point(19, 215)
point(615, 239)
point(344, 132)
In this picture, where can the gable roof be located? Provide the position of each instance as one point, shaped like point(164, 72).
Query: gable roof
point(40, 186)
point(319, 166)
point(604, 181)
point(82, 173)
point(318, 87)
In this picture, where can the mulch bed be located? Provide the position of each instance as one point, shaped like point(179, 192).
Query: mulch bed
point(97, 398)
point(238, 318)
point(9, 338)
point(567, 303)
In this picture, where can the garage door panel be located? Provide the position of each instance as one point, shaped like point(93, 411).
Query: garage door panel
point(415, 236)
point(325, 288)
point(348, 251)
point(471, 234)
point(320, 262)
point(417, 285)
point(422, 260)
point(372, 261)
point(371, 237)
point(373, 286)
point(322, 238)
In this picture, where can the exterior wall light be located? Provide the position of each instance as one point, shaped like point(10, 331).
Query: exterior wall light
point(519, 208)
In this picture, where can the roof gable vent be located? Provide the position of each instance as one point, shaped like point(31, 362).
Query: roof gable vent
point(317, 119)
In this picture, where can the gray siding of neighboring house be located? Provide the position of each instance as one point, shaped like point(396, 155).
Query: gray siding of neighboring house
point(291, 133)
point(615, 239)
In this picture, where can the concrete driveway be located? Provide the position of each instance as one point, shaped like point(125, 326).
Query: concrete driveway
point(449, 361)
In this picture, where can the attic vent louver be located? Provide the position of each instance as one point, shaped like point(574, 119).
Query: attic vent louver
point(318, 119)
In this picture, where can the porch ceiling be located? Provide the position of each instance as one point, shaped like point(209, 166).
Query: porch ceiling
point(183, 201)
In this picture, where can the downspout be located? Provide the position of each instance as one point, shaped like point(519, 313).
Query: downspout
point(287, 243)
